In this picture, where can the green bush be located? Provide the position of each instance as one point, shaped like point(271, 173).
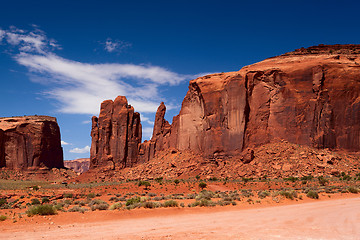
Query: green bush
point(202, 185)
point(291, 179)
point(146, 184)
point(68, 195)
point(45, 200)
point(312, 194)
point(263, 194)
point(176, 181)
point(288, 194)
point(3, 201)
point(204, 195)
point(97, 204)
point(151, 204)
point(322, 181)
point(117, 205)
point(132, 201)
point(171, 203)
point(35, 201)
point(353, 190)
point(204, 203)
point(91, 195)
point(3, 218)
point(77, 209)
point(41, 210)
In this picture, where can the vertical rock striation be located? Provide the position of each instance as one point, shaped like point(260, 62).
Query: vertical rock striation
point(30, 142)
point(309, 97)
point(116, 135)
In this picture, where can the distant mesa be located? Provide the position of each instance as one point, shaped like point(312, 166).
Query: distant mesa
point(30, 142)
point(309, 97)
point(79, 165)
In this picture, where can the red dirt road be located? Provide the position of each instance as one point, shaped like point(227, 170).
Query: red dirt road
point(332, 219)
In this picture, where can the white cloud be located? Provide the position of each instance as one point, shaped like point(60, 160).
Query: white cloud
point(85, 149)
point(115, 45)
point(147, 133)
point(28, 41)
point(63, 143)
point(86, 122)
point(79, 87)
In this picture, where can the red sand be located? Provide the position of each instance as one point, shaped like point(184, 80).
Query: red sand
point(331, 219)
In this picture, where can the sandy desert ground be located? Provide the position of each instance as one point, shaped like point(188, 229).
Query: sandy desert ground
point(331, 219)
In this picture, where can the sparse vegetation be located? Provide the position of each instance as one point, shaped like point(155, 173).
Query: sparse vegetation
point(312, 194)
point(41, 210)
point(202, 185)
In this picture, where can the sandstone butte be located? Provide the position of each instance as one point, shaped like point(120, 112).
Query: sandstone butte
point(30, 142)
point(309, 97)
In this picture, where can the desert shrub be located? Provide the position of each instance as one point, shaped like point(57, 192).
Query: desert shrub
point(91, 195)
point(68, 195)
point(246, 193)
point(77, 209)
point(3, 218)
point(307, 178)
point(97, 204)
point(202, 185)
point(45, 200)
point(204, 203)
point(288, 194)
point(197, 177)
point(291, 179)
point(3, 202)
point(146, 184)
point(35, 188)
point(59, 206)
point(159, 179)
point(176, 181)
point(114, 199)
point(191, 196)
point(245, 180)
point(312, 194)
point(152, 194)
point(204, 195)
point(322, 181)
point(45, 209)
point(158, 198)
point(132, 201)
point(353, 190)
point(114, 206)
point(263, 194)
point(35, 201)
point(171, 203)
point(80, 203)
point(214, 179)
point(151, 204)
point(225, 202)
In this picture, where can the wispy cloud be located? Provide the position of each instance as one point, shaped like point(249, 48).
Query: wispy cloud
point(115, 45)
point(79, 87)
point(147, 132)
point(85, 149)
point(63, 143)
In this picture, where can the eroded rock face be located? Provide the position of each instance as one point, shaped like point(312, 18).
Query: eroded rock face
point(30, 142)
point(116, 135)
point(309, 97)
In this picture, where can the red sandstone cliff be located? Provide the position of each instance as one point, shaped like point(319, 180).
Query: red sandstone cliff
point(309, 97)
point(116, 135)
point(30, 142)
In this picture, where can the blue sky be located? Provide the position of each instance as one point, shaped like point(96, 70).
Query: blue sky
point(62, 58)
